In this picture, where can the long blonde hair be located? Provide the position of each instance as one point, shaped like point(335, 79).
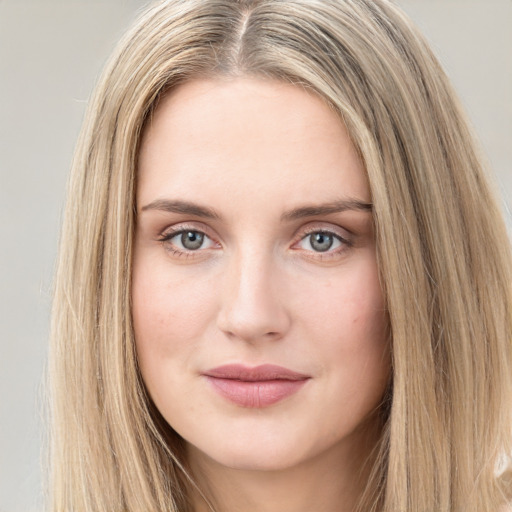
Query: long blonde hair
point(443, 255)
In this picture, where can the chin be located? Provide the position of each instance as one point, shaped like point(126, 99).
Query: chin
point(261, 451)
point(255, 458)
point(264, 459)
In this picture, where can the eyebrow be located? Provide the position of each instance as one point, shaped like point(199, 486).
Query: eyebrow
point(177, 206)
point(326, 209)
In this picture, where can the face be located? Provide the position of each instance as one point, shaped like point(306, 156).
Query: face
point(259, 320)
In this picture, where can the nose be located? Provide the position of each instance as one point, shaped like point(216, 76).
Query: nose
point(253, 304)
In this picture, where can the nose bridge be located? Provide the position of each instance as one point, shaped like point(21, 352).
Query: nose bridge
point(252, 303)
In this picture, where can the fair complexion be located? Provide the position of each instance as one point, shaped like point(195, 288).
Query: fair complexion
point(254, 246)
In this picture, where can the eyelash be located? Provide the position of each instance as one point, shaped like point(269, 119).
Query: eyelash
point(166, 237)
point(345, 243)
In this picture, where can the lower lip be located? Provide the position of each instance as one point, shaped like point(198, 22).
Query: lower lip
point(257, 394)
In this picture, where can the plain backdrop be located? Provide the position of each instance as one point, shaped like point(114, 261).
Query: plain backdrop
point(51, 53)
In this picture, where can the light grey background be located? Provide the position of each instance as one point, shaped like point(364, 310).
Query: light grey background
point(51, 53)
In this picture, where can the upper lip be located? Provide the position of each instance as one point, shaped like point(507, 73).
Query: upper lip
point(254, 374)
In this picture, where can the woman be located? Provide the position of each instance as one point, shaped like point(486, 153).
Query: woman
point(283, 283)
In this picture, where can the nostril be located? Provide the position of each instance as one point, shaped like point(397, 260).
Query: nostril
point(255, 328)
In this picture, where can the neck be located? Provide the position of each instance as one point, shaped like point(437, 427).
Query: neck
point(329, 482)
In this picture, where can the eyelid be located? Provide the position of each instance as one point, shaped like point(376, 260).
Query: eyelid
point(323, 227)
point(170, 231)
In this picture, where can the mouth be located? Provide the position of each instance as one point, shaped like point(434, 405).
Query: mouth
point(255, 387)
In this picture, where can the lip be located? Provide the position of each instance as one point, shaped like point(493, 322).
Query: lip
point(255, 387)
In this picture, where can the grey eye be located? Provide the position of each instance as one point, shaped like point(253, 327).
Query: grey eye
point(191, 240)
point(321, 242)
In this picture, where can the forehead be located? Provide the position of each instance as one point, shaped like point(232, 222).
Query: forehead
point(223, 137)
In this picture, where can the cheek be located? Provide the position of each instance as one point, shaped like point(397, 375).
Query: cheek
point(366, 343)
point(348, 306)
point(171, 310)
point(346, 316)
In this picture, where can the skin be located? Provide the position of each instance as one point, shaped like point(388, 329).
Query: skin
point(257, 292)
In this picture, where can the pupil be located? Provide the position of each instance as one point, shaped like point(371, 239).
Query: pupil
point(192, 240)
point(321, 242)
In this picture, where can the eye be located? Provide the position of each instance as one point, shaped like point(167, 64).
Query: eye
point(187, 240)
point(322, 241)
point(190, 240)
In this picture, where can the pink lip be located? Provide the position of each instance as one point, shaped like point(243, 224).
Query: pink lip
point(255, 387)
